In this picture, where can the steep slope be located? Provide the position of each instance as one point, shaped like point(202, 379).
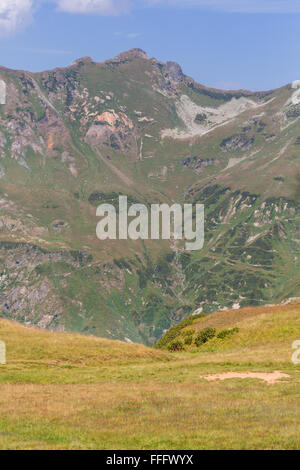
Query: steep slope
point(74, 137)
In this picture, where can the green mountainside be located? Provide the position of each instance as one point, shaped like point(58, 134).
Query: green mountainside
point(75, 137)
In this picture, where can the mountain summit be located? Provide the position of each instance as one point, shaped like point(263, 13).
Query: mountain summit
point(132, 54)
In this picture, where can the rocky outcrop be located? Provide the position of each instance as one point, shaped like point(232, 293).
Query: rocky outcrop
point(130, 55)
point(82, 61)
point(201, 117)
point(173, 72)
point(27, 291)
point(113, 130)
point(199, 164)
point(237, 142)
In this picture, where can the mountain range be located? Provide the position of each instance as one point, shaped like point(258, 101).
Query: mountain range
point(75, 137)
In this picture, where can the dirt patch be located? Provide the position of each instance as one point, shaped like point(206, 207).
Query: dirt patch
point(270, 378)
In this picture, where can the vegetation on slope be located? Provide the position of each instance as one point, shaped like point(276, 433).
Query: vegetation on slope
point(61, 391)
point(235, 329)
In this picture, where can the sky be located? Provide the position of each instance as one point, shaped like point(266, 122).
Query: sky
point(228, 44)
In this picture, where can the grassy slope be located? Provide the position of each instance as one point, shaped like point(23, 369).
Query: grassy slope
point(62, 391)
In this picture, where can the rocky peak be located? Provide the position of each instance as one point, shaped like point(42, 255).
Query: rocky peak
point(132, 54)
point(173, 71)
point(82, 61)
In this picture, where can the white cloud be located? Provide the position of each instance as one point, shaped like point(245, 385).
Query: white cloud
point(133, 35)
point(236, 6)
point(126, 35)
point(100, 7)
point(14, 15)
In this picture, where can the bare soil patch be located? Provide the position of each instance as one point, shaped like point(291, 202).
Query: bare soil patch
point(270, 378)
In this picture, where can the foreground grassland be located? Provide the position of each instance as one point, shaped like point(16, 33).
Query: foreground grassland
point(61, 391)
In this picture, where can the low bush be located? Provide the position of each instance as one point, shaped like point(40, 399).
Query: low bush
point(176, 345)
point(169, 337)
point(204, 336)
point(188, 333)
point(226, 333)
point(176, 330)
point(188, 340)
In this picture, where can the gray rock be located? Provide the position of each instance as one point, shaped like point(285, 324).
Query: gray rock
point(173, 71)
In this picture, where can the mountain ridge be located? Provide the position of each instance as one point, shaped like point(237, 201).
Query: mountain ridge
point(73, 137)
point(137, 53)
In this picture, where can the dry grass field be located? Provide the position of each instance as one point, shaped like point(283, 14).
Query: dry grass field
point(63, 391)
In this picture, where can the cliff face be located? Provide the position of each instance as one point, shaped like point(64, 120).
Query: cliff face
point(74, 137)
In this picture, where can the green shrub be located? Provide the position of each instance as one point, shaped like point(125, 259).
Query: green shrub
point(188, 333)
point(204, 336)
point(176, 345)
point(173, 333)
point(225, 333)
point(176, 331)
point(188, 340)
point(187, 322)
point(199, 316)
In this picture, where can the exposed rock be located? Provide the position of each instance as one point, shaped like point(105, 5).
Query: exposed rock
point(296, 84)
point(33, 303)
point(237, 142)
point(174, 72)
point(293, 111)
point(59, 225)
point(54, 132)
point(199, 164)
point(82, 60)
point(112, 129)
point(201, 117)
point(130, 55)
point(187, 110)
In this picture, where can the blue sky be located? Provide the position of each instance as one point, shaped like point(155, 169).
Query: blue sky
point(251, 44)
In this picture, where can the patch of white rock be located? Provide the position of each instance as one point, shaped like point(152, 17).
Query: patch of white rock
point(295, 98)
